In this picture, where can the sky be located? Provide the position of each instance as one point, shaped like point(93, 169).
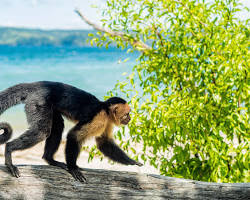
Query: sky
point(48, 14)
point(55, 14)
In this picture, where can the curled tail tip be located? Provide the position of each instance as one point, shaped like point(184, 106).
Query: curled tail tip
point(5, 136)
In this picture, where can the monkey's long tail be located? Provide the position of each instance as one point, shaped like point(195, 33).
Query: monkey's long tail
point(7, 132)
point(8, 98)
point(12, 96)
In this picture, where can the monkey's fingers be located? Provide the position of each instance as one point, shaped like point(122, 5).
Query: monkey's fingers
point(133, 162)
point(77, 175)
point(14, 171)
point(139, 164)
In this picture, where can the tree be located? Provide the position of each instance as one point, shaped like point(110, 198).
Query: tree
point(49, 182)
point(190, 87)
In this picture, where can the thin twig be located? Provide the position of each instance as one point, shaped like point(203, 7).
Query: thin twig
point(196, 18)
point(137, 43)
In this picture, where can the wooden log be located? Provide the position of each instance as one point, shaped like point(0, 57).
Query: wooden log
point(47, 182)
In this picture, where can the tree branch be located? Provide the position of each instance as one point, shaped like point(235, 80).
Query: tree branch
point(47, 182)
point(136, 43)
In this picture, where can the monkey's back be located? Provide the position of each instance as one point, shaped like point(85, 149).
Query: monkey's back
point(70, 101)
point(74, 103)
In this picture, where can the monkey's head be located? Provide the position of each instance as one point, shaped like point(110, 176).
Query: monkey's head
point(119, 110)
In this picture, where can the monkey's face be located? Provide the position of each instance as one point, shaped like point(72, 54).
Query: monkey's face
point(121, 114)
point(125, 119)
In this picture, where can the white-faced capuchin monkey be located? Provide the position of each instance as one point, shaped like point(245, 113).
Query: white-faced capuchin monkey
point(45, 104)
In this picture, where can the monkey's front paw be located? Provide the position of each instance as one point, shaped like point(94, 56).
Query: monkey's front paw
point(14, 170)
point(133, 162)
point(139, 164)
point(77, 174)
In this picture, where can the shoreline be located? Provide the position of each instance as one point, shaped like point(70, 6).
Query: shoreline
point(34, 156)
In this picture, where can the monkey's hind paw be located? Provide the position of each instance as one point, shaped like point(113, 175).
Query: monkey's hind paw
point(14, 171)
point(77, 174)
point(62, 165)
point(57, 164)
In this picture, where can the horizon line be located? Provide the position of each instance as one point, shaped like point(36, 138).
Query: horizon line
point(47, 29)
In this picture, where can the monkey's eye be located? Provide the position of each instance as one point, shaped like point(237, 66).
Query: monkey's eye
point(125, 116)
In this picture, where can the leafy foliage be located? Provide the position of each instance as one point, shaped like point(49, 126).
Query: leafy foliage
point(190, 92)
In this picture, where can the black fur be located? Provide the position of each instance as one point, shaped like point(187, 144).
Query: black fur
point(53, 141)
point(111, 150)
point(72, 152)
point(6, 134)
point(45, 103)
point(72, 149)
point(114, 100)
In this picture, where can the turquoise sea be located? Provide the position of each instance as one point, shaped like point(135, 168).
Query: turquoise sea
point(92, 69)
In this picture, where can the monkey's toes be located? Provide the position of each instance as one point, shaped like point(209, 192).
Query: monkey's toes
point(14, 171)
point(62, 165)
point(59, 164)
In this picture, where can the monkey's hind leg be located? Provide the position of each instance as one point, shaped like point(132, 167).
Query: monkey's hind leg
point(40, 120)
point(53, 141)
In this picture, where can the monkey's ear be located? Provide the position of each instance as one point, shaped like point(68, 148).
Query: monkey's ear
point(114, 109)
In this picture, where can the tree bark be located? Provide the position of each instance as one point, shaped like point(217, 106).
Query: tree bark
point(47, 182)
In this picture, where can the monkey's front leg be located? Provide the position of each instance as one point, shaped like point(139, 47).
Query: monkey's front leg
point(108, 147)
point(72, 152)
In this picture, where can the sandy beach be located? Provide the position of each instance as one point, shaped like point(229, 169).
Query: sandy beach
point(33, 156)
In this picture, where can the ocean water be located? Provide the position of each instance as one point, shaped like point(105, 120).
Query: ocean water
point(92, 69)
